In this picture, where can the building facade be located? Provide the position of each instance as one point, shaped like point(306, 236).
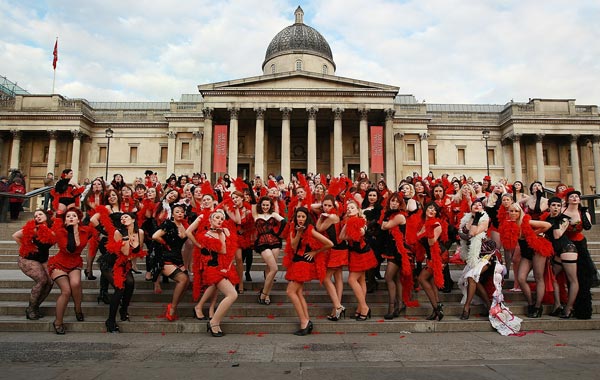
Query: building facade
point(299, 116)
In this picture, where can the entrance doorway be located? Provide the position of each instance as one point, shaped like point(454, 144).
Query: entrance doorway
point(243, 171)
point(353, 170)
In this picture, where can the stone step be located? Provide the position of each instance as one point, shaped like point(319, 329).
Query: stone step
point(264, 326)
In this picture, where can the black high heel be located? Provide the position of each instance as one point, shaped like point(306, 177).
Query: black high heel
point(31, 314)
point(557, 312)
point(339, 311)
point(440, 311)
point(391, 312)
point(465, 314)
point(124, 315)
point(432, 316)
point(305, 331)
point(217, 334)
point(89, 275)
point(79, 316)
point(203, 318)
point(399, 310)
point(59, 329)
point(111, 326)
point(364, 317)
point(564, 315)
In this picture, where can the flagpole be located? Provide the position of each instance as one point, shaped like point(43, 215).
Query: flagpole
point(55, 53)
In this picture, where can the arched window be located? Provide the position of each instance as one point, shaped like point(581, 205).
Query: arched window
point(273, 68)
point(325, 69)
point(298, 65)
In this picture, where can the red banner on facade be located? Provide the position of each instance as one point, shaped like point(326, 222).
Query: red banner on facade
point(220, 149)
point(376, 149)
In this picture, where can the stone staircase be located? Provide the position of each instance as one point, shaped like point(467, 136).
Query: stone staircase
point(248, 317)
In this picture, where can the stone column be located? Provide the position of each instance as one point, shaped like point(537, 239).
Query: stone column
point(390, 164)
point(51, 151)
point(15, 150)
point(311, 148)
point(539, 158)
point(506, 159)
point(363, 134)
point(596, 153)
point(516, 138)
point(75, 155)
point(259, 143)
point(207, 142)
point(286, 114)
point(338, 152)
point(233, 142)
point(399, 143)
point(575, 163)
point(171, 139)
point(197, 150)
point(424, 154)
point(1, 150)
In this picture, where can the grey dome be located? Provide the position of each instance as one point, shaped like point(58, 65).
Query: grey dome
point(299, 37)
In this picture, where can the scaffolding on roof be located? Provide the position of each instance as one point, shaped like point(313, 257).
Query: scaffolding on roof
point(10, 89)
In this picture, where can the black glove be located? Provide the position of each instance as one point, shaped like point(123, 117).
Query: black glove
point(476, 217)
point(584, 219)
point(387, 214)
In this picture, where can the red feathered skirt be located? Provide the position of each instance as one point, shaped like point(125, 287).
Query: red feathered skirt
point(361, 258)
point(337, 258)
point(213, 275)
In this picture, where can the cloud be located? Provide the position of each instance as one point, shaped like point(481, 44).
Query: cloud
point(442, 51)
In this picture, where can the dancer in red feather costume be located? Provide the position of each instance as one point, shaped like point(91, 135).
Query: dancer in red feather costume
point(35, 240)
point(361, 258)
point(304, 261)
point(65, 266)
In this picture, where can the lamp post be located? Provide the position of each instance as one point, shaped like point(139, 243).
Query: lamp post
point(109, 134)
point(486, 136)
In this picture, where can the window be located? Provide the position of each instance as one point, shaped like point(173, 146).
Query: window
point(185, 150)
point(273, 68)
point(491, 156)
point(163, 154)
point(325, 70)
point(298, 65)
point(46, 150)
point(432, 160)
point(411, 152)
point(546, 160)
point(461, 156)
point(133, 152)
point(102, 154)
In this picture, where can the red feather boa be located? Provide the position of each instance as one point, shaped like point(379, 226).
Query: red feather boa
point(537, 243)
point(307, 240)
point(406, 277)
point(509, 234)
point(354, 228)
point(32, 231)
point(413, 223)
point(212, 244)
point(123, 262)
point(435, 251)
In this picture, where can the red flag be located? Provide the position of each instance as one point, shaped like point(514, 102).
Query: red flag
point(376, 149)
point(55, 54)
point(220, 149)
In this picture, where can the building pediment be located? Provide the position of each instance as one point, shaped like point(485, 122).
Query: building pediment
point(297, 82)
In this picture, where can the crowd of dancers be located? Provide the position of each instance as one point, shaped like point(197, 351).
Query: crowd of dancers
point(191, 231)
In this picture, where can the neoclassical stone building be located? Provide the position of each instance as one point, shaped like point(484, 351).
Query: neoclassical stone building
point(299, 116)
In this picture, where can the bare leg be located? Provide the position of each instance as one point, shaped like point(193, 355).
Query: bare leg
point(209, 293)
point(425, 281)
point(270, 258)
point(239, 266)
point(524, 268)
point(539, 265)
point(231, 295)
point(294, 292)
point(331, 289)
point(62, 280)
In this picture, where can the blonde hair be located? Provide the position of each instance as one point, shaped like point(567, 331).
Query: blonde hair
point(516, 206)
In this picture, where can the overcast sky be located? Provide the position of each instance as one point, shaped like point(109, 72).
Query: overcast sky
point(440, 51)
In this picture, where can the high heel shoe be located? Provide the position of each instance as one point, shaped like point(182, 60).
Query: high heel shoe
point(432, 316)
point(124, 315)
point(111, 326)
point(465, 314)
point(399, 310)
point(59, 329)
point(440, 311)
point(31, 314)
point(557, 312)
point(263, 301)
point(364, 317)
point(79, 316)
point(202, 318)
point(305, 331)
point(170, 317)
point(89, 275)
point(339, 311)
point(391, 312)
point(136, 271)
point(564, 314)
point(209, 328)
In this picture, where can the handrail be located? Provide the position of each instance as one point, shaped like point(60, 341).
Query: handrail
point(31, 194)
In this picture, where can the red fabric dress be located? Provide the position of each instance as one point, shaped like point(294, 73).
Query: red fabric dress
point(218, 266)
point(66, 260)
point(299, 269)
point(362, 257)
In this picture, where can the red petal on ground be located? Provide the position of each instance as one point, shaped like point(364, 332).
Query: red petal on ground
point(372, 334)
point(402, 336)
point(271, 316)
point(306, 347)
point(147, 317)
point(412, 318)
point(279, 303)
point(163, 333)
point(560, 344)
point(232, 351)
point(380, 320)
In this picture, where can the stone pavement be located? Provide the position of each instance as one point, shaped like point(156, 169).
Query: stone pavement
point(537, 355)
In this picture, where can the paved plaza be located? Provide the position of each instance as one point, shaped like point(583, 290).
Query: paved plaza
point(536, 355)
